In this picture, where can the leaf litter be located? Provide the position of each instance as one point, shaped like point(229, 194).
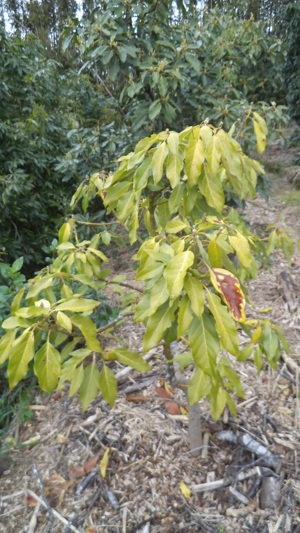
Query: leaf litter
point(129, 469)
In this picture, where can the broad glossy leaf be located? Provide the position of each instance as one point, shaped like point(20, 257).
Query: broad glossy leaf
point(13, 322)
point(215, 254)
point(64, 321)
point(90, 385)
point(47, 363)
point(224, 324)
point(195, 292)
point(76, 380)
point(204, 343)
point(213, 155)
point(21, 354)
point(173, 142)
point(17, 301)
point(176, 270)
point(35, 287)
point(129, 358)
point(157, 325)
point(241, 245)
point(88, 330)
point(218, 403)
point(142, 174)
point(199, 386)
point(261, 141)
point(64, 233)
point(212, 190)
point(185, 315)
point(78, 305)
point(175, 225)
point(228, 286)
point(108, 385)
point(158, 160)
point(174, 166)
point(194, 158)
point(6, 342)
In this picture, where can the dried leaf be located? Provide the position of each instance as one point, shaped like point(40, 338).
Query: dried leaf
point(90, 464)
point(172, 408)
point(184, 410)
point(76, 471)
point(135, 398)
point(169, 389)
point(61, 439)
point(31, 501)
point(162, 392)
point(104, 463)
point(91, 530)
point(186, 492)
point(228, 286)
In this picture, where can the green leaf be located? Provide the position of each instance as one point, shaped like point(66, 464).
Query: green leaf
point(261, 141)
point(212, 190)
point(154, 109)
point(13, 322)
point(64, 233)
point(174, 166)
point(35, 287)
point(64, 321)
point(32, 312)
point(195, 292)
point(214, 254)
point(150, 270)
point(157, 325)
point(129, 358)
point(194, 158)
point(213, 155)
point(5, 345)
point(17, 301)
point(241, 245)
point(88, 330)
point(90, 385)
point(142, 174)
point(175, 225)
point(47, 363)
point(76, 380)
point(224, 324)
point(108, 385)
point(175, 272)
point(199, 386)
point(185, 315)
point(175, 198)
point(22, 352)
point(173, 142)
point(158, 160)
point(269, 342)
point(204, 343)
point(78, 305)
point(17, 264)
point(218, 403)
point(258, 358)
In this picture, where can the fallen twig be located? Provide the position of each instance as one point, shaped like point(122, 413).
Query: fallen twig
point(226, 482)
point(54, 512)
point(44, 499)
point(253, 446)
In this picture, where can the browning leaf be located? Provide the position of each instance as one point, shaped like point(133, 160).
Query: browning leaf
point(172, 408)
point(228, 286)
point(90, 464)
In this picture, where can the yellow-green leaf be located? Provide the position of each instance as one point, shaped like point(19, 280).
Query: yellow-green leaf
point(17, 301)
point(88, 330)
point(47, 363)
point(195, 292)
point(22, 352)
point(5, 345)
point(158, 160)
point(157, 325)
point(78, 305)
point(64, 321)
point(194, 159)
point(64, 233)
point(199, 386)
point(212, 190)
point(174, 166)
point(129, 358)
point(89, 387)
point(35, 287)
point(176, 270)
point(186, 492)
point(261, 140)
point(108, 385)
point(185, 315)
point(215, 254)
point(224, 324)
point(241, 245)
point(104, 463)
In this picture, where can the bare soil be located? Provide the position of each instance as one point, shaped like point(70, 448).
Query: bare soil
point(149, 451)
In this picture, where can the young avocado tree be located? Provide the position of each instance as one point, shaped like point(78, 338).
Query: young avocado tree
point(194, 261)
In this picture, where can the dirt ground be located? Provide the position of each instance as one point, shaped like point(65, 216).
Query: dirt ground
point(53, 482)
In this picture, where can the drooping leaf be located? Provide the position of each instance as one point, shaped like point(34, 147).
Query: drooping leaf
point(195, 292)
point(22, 352)
point(194, 158)
point(224, 324)
point(241, 245)
point(185, 315)
point(88, 330)
point(228, 286)
point(5, 344)
point(158, 160)
point(214, 251)
point(90, 385)
point(176, 270)
point(47, 363)
point(108, 385)
point(78, 305)
point(157, 325)
point(129, 358)
point(204, 343)
point(199, 386)
point(212, 190)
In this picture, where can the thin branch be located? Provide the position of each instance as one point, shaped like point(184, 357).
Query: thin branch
point(55, 513)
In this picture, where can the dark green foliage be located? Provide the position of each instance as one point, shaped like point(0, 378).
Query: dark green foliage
point(291, 30)
point(11, 281)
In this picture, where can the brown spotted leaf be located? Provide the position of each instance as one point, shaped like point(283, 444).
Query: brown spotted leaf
point(228, 286)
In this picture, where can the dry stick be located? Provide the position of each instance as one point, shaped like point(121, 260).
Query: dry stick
point(253, 446)
point(219, 483)
point(54, 512)
point(33, 521)
point(44, 499)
